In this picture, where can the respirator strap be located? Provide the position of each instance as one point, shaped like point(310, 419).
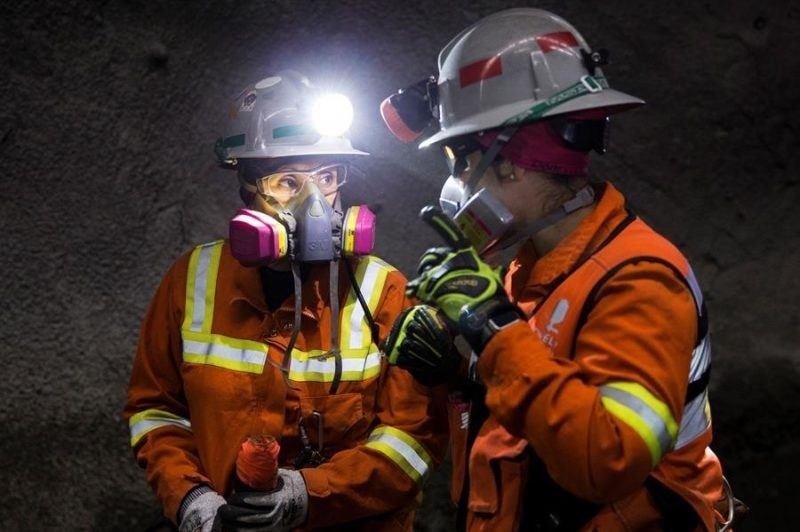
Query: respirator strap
point(583, 198)
point(246, 185)
point(335, 351)
point(489, 156)
point(373, 327)
point(333, 293)
point(298, 313)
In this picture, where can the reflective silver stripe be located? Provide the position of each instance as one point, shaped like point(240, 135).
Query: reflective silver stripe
point(641, 416)
point(701, 359)
point(371, 284)
point(224, 352)
point(361, 358)
point(149, 420)
point(316, 367)
point(402, 449)
point(201, 286)
point(200, 289)
point(696, 420)
point(701, 355)
point(694, 286)
point(696, 416)
point(248, 356)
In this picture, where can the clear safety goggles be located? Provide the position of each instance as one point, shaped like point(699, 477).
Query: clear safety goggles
point(285, 185)
point(458, 150)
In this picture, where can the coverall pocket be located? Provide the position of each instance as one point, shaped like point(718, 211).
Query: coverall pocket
point(339, 415)
point(458, 420)
point(499, 465)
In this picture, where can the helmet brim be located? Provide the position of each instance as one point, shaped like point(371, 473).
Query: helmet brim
point(612, 100)
point(273, 154)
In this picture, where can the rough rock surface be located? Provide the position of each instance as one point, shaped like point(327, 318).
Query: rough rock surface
point(109, 108)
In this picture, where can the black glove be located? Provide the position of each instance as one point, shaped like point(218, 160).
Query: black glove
point(421, 343)
point(432, 258)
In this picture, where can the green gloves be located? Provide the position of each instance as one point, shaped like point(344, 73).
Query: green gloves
point(456, 280)
point(460, 294)
point(421, 343)
point(460, 279)
point(469, 292)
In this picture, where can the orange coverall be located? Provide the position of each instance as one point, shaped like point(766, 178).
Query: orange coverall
point(596, 384)
point(207, 375)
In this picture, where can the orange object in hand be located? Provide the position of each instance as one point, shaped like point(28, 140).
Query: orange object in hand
point(257, 463)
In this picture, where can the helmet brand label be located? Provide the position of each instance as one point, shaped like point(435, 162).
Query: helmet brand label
point(248, 102)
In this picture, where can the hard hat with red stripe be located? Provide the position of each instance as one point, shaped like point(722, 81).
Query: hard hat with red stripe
point(513, 67)
point(517, 66)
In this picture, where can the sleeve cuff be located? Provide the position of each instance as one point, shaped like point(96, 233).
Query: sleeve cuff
point(190, 497)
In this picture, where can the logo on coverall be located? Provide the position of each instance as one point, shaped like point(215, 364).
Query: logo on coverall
point(550, 333)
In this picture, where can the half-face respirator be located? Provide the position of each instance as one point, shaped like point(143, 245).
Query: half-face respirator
point(290, 217)
point(482, 218)
point(258, 239)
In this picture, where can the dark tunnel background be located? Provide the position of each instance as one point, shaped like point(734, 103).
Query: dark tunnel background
point(108, 112)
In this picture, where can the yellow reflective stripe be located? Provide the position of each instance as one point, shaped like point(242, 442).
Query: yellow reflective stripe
point(224, 352)
point(633, 404)
point(201, 287)
point(249, 357)
point(379, 270)
point(370, 274)
point(401, 449)
point(151, 419)
point(320, 366)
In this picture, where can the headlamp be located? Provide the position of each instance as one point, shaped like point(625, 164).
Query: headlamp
point(332, 114)
point(410, 110)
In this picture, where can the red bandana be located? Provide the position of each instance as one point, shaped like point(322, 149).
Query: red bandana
point(538, 147)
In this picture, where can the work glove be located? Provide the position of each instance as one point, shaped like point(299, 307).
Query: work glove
point(421, 343)
point(469, 291)
point(198, 510)
point(282, 509)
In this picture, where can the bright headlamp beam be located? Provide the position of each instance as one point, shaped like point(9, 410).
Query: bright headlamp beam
point(332, 114)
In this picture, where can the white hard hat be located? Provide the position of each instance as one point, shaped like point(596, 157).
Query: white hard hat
point(276, 117)
point(517, 66)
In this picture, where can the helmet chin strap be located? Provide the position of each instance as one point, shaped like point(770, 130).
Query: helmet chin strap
point(583, 198)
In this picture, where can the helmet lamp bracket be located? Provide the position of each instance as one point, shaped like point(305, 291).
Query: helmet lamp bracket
point(592, 60)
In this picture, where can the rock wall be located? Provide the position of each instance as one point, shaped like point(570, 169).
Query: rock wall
point(108, 111)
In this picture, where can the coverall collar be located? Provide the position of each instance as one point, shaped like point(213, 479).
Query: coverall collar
point(247, 288)
point(531, 276)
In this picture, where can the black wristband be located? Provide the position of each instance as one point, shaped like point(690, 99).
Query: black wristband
point(480, 324)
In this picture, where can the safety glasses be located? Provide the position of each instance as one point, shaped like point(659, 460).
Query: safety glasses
point(285, 185)
point(582, 135)
point(456, 151)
